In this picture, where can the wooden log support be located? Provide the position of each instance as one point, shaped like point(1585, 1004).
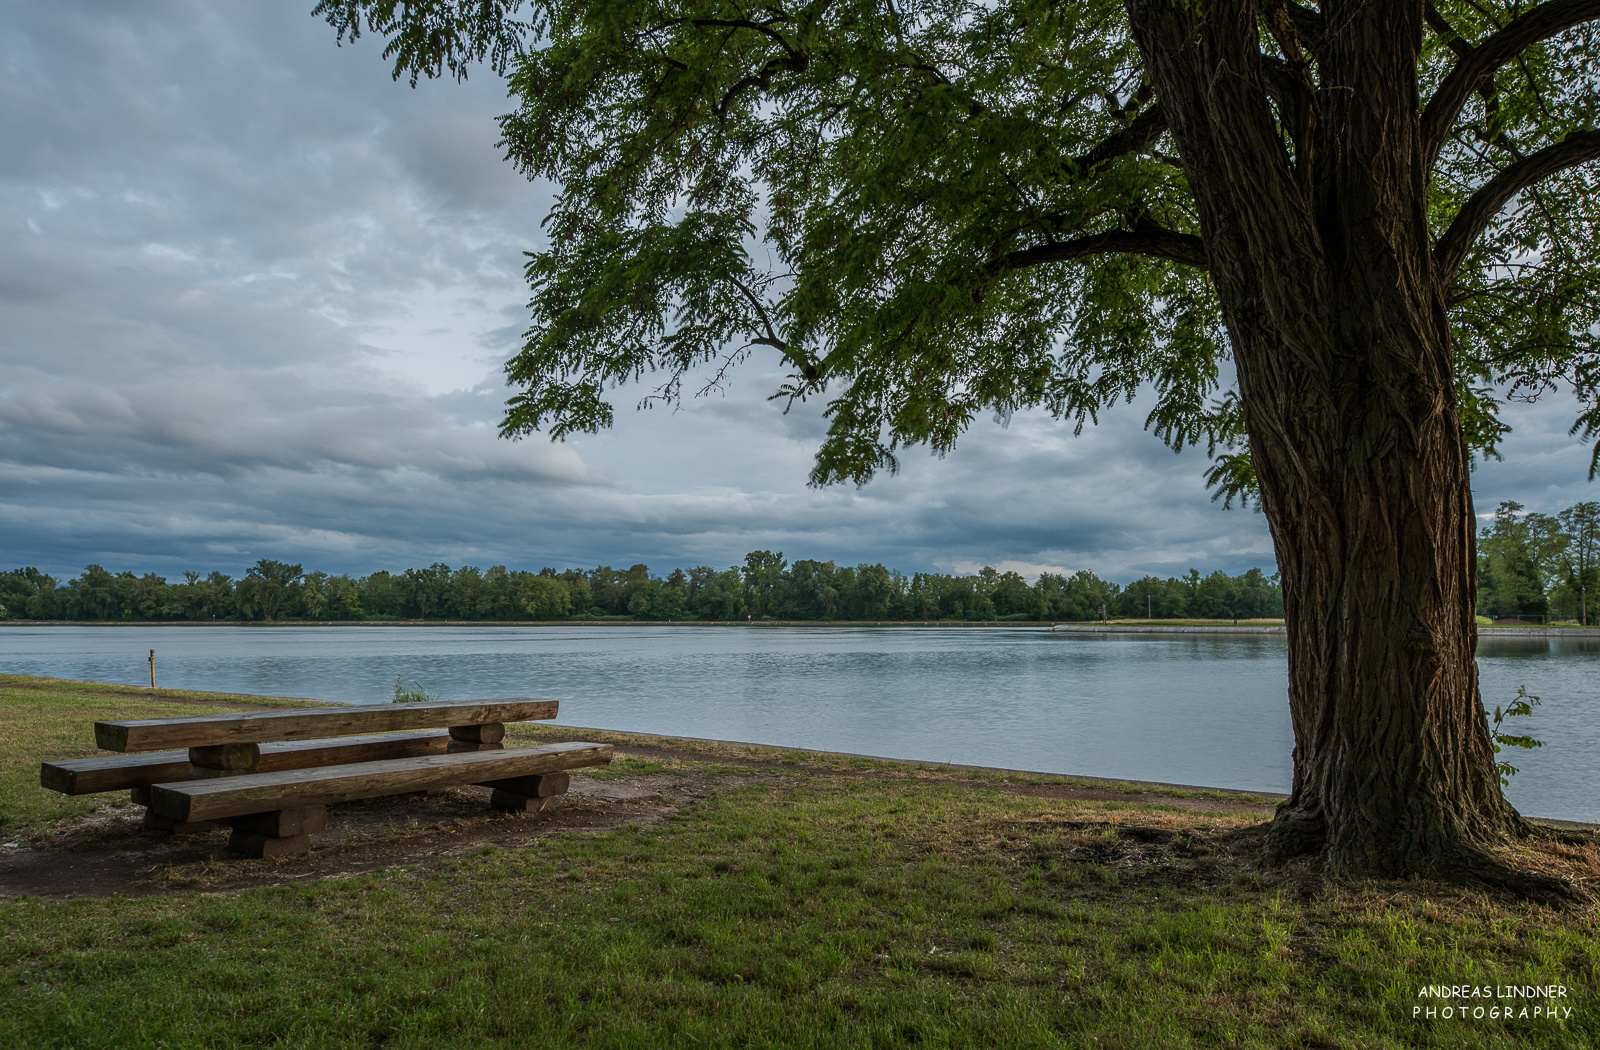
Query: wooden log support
point(256, 792)
point(535, 794)
point(533, 787)
point(252, 844)
point(487, 737)
point(466, 747)
point(86, 776)
point(488, 733)
point(510, 802)
point(154, 821)
point(223, 760)
point(155, 734)
point(282, 823)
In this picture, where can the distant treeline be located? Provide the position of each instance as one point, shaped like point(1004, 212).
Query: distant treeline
point(1534, 566)
point(765, 587)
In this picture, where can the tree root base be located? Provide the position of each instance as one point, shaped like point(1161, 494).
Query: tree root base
point(1291, 845)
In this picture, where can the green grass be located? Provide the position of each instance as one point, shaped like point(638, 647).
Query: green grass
point(824, 907)
point(51, 718)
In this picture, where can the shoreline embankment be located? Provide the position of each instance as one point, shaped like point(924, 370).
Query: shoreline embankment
point(1024, 625)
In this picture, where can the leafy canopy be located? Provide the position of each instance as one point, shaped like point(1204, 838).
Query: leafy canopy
point(936, 209)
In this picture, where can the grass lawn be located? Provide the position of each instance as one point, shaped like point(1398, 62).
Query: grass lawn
point(810, 901)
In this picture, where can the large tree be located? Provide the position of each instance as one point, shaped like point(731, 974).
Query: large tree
point(1381, 212)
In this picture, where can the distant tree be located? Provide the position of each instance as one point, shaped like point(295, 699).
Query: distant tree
point(27, 593)
point(542, 597)
point(1011, 595)
point(764, 581)
point(813, 591)
point(875, 592)
point(461, 601)
point(94, 595)
point(1580, 567)
point(268, 583)
point(671, 598)
point(313, 595)
point(1510, 581)
point(639, 591)
point(343, 598)
point(579, 590)
point(425, 593)
point(380, 594)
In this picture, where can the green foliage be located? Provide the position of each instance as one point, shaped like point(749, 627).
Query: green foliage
point(1534, 566)
point(766, 586)
point(415, 693)
point(1521, 707)
point(943, 209)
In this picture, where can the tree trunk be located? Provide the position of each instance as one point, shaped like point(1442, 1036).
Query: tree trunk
point(1321, 258)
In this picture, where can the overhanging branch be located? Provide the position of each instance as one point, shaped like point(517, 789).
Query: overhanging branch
point(1137, 137)
point(1160, 244)
point(1480, 62)
point(1484, 205)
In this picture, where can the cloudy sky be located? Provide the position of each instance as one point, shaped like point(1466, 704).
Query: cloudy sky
point(255, 296)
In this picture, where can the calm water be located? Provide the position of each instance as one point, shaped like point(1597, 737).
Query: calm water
point(1182, 709)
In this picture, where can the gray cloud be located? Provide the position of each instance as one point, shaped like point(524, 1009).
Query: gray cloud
point(254, 297)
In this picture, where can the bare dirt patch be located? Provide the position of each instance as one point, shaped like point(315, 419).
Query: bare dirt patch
point(109, 852)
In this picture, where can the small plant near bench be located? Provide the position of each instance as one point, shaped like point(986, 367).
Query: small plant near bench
point(415, 693)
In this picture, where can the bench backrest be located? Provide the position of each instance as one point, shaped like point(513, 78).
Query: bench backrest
point(157, 734)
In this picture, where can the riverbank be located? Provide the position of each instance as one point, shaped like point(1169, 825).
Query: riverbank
point(713, 894)
point(615, 621)
point(1116, 627)
point(1096, 627)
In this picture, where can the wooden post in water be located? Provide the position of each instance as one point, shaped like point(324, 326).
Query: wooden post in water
point(152, 669)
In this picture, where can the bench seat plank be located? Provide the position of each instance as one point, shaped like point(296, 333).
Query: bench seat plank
point(195, 800)
point(86, 776)
point(158, 734)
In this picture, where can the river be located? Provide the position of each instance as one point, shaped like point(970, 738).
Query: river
point(1191, 709)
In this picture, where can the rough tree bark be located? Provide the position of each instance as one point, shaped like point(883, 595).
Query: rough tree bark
point(1337, 318)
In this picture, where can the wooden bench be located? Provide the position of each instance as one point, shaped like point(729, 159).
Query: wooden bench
point(270, 775)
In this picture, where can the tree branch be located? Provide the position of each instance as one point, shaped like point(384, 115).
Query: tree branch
point(1146, 128)
point(1155, 242)
point(1309, 27)
point(1480, 62)
point(1484, 205)
point(1447, 32)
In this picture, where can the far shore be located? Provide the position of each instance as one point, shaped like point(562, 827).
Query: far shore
point(1196, 627)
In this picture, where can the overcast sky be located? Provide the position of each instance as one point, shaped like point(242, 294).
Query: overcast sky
point(255, 297)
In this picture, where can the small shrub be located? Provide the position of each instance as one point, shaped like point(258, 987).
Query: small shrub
point(1521, 706)
point(415, 693)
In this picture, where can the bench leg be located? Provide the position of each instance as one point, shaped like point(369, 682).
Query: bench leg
point(277, 833)
point(282, 823)
point(153, 821)
point(529, 794)
point(510, 803)
point(486, 737)
point(252, 844)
